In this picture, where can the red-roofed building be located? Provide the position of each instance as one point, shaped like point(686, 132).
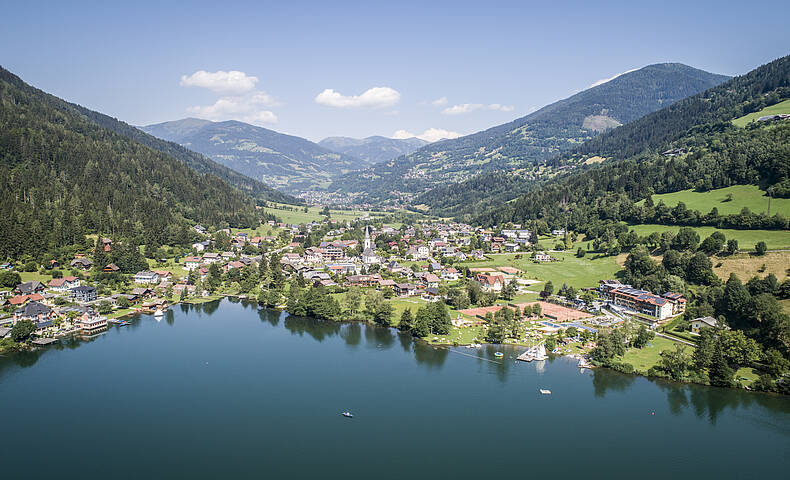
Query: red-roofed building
point(490, 283)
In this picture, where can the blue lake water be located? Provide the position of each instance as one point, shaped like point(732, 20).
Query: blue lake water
point(229, 390)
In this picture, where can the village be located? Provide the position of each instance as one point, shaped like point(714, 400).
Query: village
point(408, 266)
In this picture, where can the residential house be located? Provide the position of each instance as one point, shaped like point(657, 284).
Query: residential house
point(81, 263)
point(430, 280)
point(29, 288)
point(405, 289)
point(449, 274)
point(211, 258)
point(146, 277)
point(83, 293)
point(111, 268)
point(191, 263)
point(490, 282)
point(34, 312)
point(63, 284)
point(705, 322)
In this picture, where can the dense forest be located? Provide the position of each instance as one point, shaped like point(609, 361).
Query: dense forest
point(535, 138)
point(63, 176)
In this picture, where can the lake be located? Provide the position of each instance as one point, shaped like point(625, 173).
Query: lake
point(229, 390)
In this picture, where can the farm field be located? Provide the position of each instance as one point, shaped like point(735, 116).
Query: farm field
point(781, 107)
point(299, 216)
point(746, 266)
point(775, 239)
point(742, 196)
point(576, 272)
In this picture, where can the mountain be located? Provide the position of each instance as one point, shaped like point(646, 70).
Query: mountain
point(374, 149)
point(692, 144)
point(286, 162)
point(525, 144)
point(63, 176)
point(194, 160)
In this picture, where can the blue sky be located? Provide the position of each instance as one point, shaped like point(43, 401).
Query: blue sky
point(304, 67)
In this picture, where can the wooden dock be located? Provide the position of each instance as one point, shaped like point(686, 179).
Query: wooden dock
point(44, 341)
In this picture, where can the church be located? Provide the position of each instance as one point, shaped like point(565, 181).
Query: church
point(369, 256)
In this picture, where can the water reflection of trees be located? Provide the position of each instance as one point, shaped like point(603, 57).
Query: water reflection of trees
point(379, 336)
point(317, 329)
point(272, 317)
point(605, 380)
point(352, 334)
point(428, 356)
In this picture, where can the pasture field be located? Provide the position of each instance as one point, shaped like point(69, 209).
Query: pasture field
point(742, 196)
point(299, 216)
point(781, 107)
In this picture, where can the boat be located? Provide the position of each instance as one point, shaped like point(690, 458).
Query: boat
point(540, 352)
point(543, 391)
point(499, 354)
point(347, 414)
point(159, 312)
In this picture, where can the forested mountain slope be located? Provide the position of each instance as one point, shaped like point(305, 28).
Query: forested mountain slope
point(194, 160)
point(374, 149)
point(710, 152)
point(63, 176)
point(287, 162)
point(524, 144)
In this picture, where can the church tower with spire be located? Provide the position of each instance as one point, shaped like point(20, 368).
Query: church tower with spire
point(368, 253)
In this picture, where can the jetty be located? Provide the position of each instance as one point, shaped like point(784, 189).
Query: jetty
point(44, 341)
point(535, 352)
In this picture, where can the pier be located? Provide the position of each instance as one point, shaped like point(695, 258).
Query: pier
point(44, 341)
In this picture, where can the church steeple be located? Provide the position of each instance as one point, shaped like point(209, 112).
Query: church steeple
point(367, 238)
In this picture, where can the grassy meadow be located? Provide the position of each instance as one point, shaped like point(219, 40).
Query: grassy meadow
point(742, 196)
point(781, 107)
point(299, 216)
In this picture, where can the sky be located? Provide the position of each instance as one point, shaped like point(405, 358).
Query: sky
point(397, 69)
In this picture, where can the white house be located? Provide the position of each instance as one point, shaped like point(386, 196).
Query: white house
point(146, 277)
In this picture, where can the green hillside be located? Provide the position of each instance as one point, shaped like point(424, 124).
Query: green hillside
point(62, 176)
point(729, 200)
point(713, 154)
point(781, 107)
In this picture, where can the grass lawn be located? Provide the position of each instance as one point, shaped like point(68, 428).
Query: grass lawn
point(576, 272)
point(774, 239)
point(747, 265)
point(644, 358)
point(30, 276)
point(781, 107)
point(742, 196)
point(299, 216)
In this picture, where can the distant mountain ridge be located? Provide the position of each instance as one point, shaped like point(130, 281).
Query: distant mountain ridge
point(373, 149)
point(287, 162)
point(525, 144)
point(194, 160)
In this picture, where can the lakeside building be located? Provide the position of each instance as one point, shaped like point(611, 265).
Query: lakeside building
point(640, 301)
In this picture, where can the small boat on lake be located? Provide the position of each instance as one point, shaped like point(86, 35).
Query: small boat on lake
point(159, 312)
point(543, 391)
point(347, 414)
point(499, 354)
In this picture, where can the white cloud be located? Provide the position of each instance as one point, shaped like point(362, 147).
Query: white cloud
point(245, 108)
point(430, 135)
point(233, 82)
point(471, 107)
point(501, 108)
point(375, 97)
point(604, 80)
point(439, 102)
